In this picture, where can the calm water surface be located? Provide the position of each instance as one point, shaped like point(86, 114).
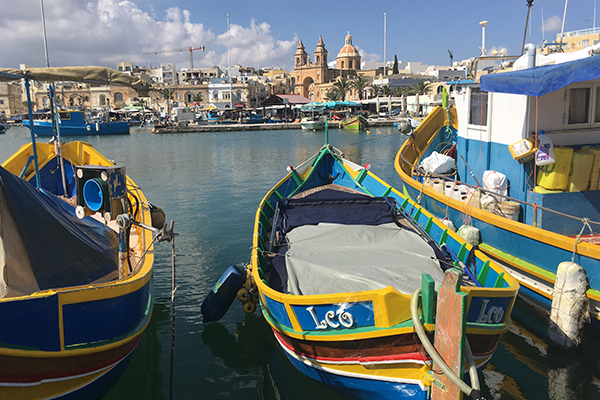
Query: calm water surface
point(210, 184)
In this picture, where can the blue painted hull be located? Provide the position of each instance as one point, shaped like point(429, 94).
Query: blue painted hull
point(43, 128)
point(363, 389)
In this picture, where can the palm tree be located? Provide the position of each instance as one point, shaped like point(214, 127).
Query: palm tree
point(332, 95)
point(360, 84)
point(140, 103)
point(422, 87)
point(167, 93)
point(395, 68)
point(386, 90)
point(82, 99)
point(342, 85)
point(197, 97)
point(376, 90)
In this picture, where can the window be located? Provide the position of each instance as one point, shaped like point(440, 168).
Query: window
point(586, 42)
point(583, 106)
point(118, 97)
point(1, 102)
point(102, 100)
point(226, 96)
point(478, 107)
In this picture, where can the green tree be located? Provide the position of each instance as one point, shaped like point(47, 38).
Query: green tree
point(386, 90)
point(360, 84)
point(395, 69)
point(343, 86)
point(332, 95)
point(422, 87)
point(376, 90)
point(167, 94)
point(82, 98)
point(140, 103)
point(197, 97)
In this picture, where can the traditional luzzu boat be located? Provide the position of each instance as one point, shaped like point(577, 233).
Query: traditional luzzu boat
point(74, 123)
point(341, 260)
point(76, 255)
point(358, 122)
point(495, 130)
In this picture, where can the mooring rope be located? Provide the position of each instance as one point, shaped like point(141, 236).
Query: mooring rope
point(585, 223)
point(173, 290)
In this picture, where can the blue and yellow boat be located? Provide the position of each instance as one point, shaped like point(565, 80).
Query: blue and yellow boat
point(337, 256)
point(76, 255)
point(538, 216)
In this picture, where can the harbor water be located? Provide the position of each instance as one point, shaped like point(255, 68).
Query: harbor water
point(210, 184)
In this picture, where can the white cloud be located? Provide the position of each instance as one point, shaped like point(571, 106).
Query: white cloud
point(101, 32)
point(552, 24)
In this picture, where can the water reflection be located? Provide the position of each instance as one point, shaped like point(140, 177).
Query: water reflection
point(254, 348)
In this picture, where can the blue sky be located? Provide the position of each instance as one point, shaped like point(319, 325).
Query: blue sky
point(266, 33)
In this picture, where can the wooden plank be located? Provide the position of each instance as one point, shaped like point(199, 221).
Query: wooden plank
point(450, 333)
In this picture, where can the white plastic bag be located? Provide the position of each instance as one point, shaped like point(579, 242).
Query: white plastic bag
point(495, 182)
point(437, 163)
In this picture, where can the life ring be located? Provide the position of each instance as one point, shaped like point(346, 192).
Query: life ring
point(249, 307)
point(242, 295)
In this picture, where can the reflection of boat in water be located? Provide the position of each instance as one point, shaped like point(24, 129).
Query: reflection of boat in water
point(493, 134)
point(77, 256)
point(72, 123)
point(357, 122)
point(353, 329)
point(252, 347)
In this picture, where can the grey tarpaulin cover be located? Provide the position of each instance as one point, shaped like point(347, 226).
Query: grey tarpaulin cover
point(334, 258)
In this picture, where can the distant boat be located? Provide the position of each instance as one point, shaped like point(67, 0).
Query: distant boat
point(212, 118)
point(254, 119)
point(313, 119)
point(74, 123)
point(357, 123)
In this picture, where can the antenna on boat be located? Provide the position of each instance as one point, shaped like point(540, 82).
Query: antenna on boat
point(53, 112)
point(326, 132)
point(529, 4)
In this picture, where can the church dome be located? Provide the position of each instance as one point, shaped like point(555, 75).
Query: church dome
point(348, 50)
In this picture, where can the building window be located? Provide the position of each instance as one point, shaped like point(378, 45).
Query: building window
point(1, 102)
point(102, 100)
point(118, 97)
point(586, 43)
point(226, 96)
point(318, 59)
point(478, 107)
point(342, 65)
point(350, 64)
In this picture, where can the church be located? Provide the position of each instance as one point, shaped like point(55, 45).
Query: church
point(313, 78)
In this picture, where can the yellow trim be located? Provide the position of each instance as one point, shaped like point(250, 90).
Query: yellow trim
point(422, 139)
point(390, 307)
point(82, 153)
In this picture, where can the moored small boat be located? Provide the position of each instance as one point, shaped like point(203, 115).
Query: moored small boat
point(338, 256)
point(538, 215)
point(73, 123)
point(77, 255)
point(358, 122)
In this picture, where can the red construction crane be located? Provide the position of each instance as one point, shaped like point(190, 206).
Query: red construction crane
point(190, 49)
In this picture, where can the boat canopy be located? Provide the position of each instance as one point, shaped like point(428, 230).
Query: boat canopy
point(91, 75)
point(538, 81)
point(43, 245)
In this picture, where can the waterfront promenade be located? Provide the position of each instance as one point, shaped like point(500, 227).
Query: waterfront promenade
point(192, 127)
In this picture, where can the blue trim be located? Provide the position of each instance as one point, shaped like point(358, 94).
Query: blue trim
point(106, 319)
point(33, 324)
point(278, 312)
point(362, 314)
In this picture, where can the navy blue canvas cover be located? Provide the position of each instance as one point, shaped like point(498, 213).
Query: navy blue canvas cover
point(64, 250)
point(336, 207)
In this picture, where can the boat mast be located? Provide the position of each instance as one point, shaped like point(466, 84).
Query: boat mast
point(54, 113)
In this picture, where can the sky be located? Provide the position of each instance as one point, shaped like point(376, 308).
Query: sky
point(266, 33)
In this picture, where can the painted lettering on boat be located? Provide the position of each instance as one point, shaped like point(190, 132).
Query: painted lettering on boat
point(493, 315)
point(332, 319)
